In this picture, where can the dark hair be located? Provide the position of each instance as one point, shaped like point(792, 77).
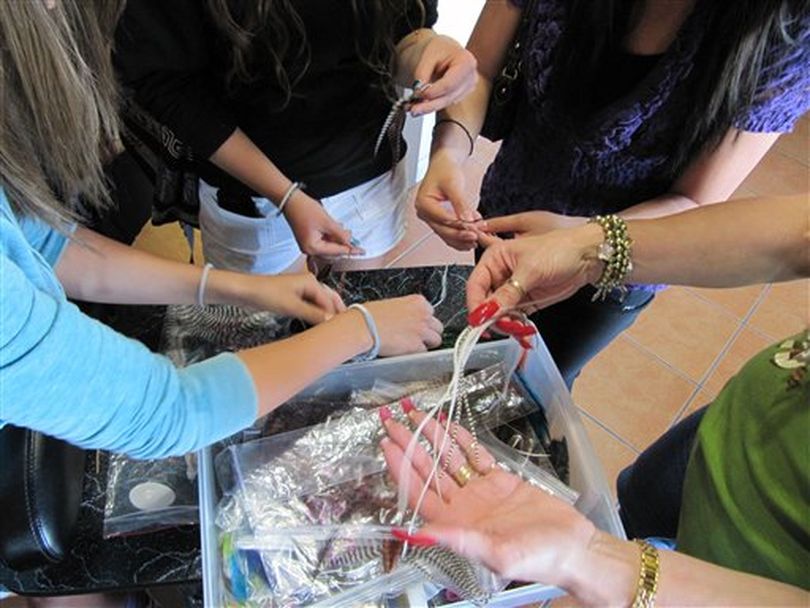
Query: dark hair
point(729, 67)
point(262, 29)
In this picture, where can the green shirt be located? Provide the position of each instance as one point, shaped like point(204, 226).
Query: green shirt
point(746, 497)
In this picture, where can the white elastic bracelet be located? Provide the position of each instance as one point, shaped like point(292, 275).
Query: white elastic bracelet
point(203, 281)
point(374, 351)
point(288, 195)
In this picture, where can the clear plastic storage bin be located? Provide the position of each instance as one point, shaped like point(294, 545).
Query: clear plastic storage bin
point(540, 377)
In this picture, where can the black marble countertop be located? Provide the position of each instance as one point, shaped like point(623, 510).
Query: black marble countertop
point(172, 556)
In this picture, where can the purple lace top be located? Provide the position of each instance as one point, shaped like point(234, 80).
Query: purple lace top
point(621, 155)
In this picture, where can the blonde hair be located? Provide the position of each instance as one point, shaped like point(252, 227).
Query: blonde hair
point(58, 115)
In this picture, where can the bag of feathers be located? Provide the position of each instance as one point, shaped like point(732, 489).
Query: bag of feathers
point(309, 517)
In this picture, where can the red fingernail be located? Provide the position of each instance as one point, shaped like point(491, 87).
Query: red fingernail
point(515, 328)
point(442, 417)
point(417, 540)
point(385, 414)
point(484, 312)
point(407, 405)
point(524, 342)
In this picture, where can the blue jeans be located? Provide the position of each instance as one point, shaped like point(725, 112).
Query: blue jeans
point(651, 488)
point(576, 330)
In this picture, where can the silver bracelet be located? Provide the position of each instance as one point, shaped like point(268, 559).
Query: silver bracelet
point(203, 282)
point(288, 195)
point(374, 351)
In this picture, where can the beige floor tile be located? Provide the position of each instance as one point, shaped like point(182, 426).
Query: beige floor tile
point(738, 301)
point(433, 252)
point(778, 316)
point(612, 453)
point(631, 392)
point(778, 174)
point(793, 295)
point(703, 397)
point(747, 344)
point(796, 144)
point(684, 330)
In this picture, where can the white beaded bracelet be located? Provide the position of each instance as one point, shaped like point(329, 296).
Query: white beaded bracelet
point(374, 351)
point(288, 195)
point(203, 282)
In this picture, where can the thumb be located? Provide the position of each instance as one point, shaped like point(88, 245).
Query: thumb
point(458, 199)
point(309, 313)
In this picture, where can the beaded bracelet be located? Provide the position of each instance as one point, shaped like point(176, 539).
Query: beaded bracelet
point(615, 252)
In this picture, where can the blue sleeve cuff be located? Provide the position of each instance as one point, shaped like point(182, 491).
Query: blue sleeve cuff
point(228, 389)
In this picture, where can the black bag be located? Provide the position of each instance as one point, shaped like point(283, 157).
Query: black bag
point(41, 480)
point(167, 161)
point(503, 99)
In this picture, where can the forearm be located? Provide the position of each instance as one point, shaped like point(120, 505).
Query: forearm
point(449, 138)
point(737, 243)
point(97, 269)
point(282, 369)
point(608, 571)
point(660, 206)
point(242, 159)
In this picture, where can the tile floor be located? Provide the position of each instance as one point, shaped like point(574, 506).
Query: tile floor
point(679, 353)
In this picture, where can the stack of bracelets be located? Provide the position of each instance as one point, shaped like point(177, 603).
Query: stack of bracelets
point(615, 252)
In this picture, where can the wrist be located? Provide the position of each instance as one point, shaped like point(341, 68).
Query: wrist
point(590, 237)
point(227, 287)
point(358, 329)
point(454, 150)
point(604, 572)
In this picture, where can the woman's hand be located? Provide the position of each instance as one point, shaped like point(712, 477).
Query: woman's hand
point(449, 70)
point(531, 223)
point(441, 202)
point(515, 529)
point(316, 232)
point(548, 268)
point(406, 325)
point(292, 295)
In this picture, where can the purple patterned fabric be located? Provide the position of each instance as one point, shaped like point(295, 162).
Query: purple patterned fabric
point(621, 155)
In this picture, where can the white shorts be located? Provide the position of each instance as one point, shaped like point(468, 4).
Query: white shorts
point(375, 212)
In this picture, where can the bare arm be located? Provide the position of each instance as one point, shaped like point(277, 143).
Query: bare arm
point(606, 574)
point(710, 178)
point(738, 243)
point(97, 269)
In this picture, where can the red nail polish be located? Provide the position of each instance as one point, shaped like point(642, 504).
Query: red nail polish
point(515, 328)
point(417, 540)
point(407, 405)
point(385, 414)
point(484, 312)
point(442, 417)
point(524, 342)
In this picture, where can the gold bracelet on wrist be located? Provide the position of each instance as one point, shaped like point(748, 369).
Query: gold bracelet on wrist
point(615, 252)
point(648, 576)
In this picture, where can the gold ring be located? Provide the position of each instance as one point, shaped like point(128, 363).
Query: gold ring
point(463, 475)
point(518, 287)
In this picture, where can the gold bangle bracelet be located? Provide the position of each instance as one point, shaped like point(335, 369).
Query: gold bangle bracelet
point(648, 576)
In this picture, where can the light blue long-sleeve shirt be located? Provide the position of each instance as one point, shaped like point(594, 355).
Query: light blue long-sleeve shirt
point(67, 375)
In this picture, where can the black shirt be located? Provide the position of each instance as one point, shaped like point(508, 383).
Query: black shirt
point(174, 60)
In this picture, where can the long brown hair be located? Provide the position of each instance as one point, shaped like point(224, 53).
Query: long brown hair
point(731, 65)
point(262, 29)
point(58, 118)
